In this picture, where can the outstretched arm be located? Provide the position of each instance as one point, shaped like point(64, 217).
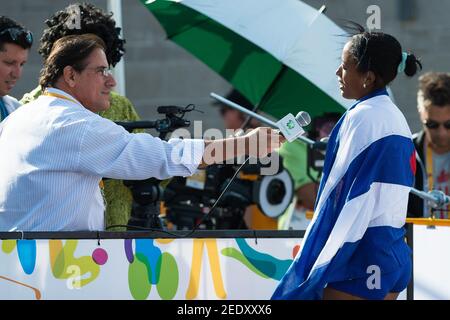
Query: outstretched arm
point(257, 143)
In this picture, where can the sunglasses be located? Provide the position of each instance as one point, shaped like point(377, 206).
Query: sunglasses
point(431, 124)
point(18, 35)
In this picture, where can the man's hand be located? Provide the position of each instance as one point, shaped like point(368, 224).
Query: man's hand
point(256, 143)
point(262, 141)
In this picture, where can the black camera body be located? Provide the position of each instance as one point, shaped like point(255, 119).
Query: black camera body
point(148, 193)
point(188, 200)
point(145, 208)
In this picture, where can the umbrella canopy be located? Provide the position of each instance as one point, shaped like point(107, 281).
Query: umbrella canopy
point(280, 54)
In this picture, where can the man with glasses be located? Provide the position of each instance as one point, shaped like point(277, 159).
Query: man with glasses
point(59, 148)
point(82, 18)
point(433, 142)
point(15, 43)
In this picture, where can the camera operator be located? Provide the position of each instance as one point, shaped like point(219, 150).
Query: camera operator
point(59, 149)
point(235, 120)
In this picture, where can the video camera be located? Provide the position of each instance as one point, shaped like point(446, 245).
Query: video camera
point(188, 200)
point(321, 127)
point(172, 121)
point(148, 193)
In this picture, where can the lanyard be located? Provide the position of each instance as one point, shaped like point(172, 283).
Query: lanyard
point(430, 175)
point(429, 163)
point(60, 96)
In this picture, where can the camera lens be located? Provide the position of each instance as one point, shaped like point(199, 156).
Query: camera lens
point(276, 191)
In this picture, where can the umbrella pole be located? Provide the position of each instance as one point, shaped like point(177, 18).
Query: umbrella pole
point(322, 10)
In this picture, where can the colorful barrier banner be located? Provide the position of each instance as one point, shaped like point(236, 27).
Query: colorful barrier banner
point(199, 268)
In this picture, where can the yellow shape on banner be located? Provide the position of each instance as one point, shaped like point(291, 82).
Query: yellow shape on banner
point(164, 240)
point(8, 245)
point(213, 255)
point(64, 265)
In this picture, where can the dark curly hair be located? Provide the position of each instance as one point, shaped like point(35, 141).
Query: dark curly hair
point(93, 20)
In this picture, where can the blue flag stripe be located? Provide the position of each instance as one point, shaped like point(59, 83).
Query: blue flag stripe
point(385, 161)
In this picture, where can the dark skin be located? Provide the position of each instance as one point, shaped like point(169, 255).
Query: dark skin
point(333, 294)
point(354, 85)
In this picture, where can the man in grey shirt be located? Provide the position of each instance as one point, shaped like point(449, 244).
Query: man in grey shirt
point(433, 142)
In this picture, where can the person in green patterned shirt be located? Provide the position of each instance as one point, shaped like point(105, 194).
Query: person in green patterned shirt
point(295, 160)
point(81, 19)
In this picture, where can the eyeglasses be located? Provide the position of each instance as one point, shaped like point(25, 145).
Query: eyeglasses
point(431, 124)
point(104, 71)
point(19, 35)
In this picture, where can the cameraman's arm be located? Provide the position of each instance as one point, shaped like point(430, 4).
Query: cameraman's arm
point(306, 195)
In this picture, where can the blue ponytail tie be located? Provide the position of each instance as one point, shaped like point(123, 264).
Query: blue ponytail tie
point(402, 65)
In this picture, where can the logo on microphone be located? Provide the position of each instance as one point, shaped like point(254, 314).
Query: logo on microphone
point(290, 125)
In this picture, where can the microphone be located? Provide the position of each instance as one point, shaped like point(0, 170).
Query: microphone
point(302, 120)
point(441, 199)
point(435, 198)
point(291, 127)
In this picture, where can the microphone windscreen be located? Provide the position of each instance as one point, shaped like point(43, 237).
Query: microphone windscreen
point(303, 118)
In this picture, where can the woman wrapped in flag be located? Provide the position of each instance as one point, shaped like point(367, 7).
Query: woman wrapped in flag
point(355, 246)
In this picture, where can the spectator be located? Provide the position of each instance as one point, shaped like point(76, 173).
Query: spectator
point(15, 44)
point(432, 142)
point(235, 120)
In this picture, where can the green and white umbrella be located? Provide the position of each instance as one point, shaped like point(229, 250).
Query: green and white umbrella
point(280, 54)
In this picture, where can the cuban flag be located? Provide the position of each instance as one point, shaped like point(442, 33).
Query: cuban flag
point(362, 201)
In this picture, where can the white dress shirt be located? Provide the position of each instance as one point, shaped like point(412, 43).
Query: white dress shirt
point(11, 103)
point(54, 152)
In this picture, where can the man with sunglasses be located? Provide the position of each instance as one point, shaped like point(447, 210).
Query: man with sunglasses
point(15, 43)
point(433, 142)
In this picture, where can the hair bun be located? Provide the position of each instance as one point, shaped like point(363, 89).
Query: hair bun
point(412, 65)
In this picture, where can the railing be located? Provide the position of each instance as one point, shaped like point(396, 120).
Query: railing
point(429, 222)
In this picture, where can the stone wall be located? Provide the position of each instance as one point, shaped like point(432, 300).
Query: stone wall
point(158, 72)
